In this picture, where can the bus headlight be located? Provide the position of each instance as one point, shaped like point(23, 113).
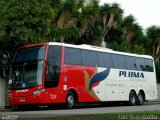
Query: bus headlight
point(37, 91)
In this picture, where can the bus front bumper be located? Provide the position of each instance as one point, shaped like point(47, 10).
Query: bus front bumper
point(25, 100)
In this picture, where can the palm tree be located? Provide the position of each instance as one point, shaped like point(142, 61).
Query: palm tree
point(87, 21)
point(153, 34)
point(132, 30)
point(64, 23)
point(111, 17)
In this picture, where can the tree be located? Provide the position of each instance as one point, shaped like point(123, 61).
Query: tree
point(22, 22)
point(111, 17)
point(132, 30)
point(153, 33)
point(64, 22)
point(88, 23)
point(27, 22)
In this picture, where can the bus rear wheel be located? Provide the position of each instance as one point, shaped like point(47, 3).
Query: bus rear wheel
point(132, 98)
point(70, 100)
point(140, 100)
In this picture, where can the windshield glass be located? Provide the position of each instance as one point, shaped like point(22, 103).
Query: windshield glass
point(26, 70)
point(34, 53)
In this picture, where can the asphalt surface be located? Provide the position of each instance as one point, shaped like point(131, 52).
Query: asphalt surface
point(80, 110)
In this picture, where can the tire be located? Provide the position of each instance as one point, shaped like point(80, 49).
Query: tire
point(17, 108)
point(132, 98)
point(70, 100)
point(141, 99)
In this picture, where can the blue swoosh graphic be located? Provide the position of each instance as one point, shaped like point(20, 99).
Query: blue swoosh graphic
point(99, 77)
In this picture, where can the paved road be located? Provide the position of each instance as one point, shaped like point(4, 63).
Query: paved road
point(94, 109)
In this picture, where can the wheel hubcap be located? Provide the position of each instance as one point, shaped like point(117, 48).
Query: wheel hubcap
point(140, 97)
point(70, 100)
point(133, 99)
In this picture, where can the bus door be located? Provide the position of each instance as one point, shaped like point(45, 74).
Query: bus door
point(53, 66)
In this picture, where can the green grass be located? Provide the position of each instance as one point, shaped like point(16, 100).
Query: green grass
point(108, 116)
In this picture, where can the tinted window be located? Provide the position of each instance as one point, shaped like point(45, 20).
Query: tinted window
point(35, 53)
point(149, 65)
point(54, 55)
point(53, 66)
point(140, 64)
point(104, 60)
point(131, 63)
point(89, 58)
point(119, 61)
point(72, 56)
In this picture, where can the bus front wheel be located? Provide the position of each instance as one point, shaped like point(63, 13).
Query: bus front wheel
point(70, 100)
point(132, 98)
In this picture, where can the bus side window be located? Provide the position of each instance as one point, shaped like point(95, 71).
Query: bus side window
point(89, 58)
point(104, 60)
point(72, 56)
point(131, 63)
point(149, 65)
point(140, 64)
point(53, 66)
point(119, 61)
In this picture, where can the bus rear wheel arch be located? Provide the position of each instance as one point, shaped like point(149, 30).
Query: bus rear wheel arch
point(71, 99)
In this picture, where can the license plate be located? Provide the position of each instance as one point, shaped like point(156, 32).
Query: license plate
point(22, 100)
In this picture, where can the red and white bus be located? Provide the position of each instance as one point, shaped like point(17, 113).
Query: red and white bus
point(50, 73)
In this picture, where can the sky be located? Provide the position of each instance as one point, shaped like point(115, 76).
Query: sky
point(146, 12)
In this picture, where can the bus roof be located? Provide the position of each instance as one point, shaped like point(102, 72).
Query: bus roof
point(34, 45)
point(100, 49)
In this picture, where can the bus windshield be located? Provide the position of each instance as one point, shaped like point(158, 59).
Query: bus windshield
point(26, 69)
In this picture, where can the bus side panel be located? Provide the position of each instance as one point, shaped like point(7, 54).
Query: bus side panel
point(151, 86)
point(119, 87)
point(73, 76)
